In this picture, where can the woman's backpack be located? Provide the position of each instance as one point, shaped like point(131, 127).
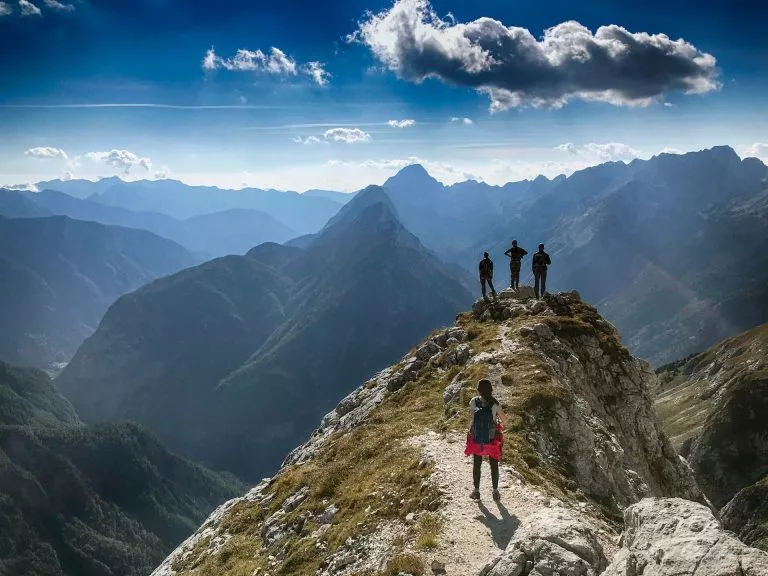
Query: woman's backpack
point(483, 428)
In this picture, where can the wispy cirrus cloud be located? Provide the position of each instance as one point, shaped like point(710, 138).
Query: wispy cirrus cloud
point(29, 9)
point(275, 62)
point(514, 68)
point(5, 9)
point(309, 140)
point(465, 121)
point(46, 153)
point(408, 123)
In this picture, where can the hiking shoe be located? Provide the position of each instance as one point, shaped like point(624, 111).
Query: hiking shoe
point(475, 494)
point(496, 495)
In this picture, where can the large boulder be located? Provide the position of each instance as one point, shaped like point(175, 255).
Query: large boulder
point(553, 541)
point(675, 537)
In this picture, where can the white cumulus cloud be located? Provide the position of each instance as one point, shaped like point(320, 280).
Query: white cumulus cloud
point(46, 153)
point(163, 173)
point(347, 135)
point(756, 150)
point(605, 152)
point(67, 176)
point(5, 9)
point(29, 9)
point(465, 121)
point(122, 159)
point(402, 123)
point(59, 6)
point(318, 73)
point(514, 68)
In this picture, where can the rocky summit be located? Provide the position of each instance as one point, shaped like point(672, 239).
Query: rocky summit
point(590, 483)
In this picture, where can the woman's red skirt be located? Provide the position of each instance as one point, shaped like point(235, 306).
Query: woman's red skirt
point(492, 449)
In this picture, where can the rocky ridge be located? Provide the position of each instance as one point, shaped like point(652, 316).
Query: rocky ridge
point(715, 407)
point(381, 487)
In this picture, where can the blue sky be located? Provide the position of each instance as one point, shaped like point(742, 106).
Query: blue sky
point(339, 94)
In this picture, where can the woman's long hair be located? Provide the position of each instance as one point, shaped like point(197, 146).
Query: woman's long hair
point(485, 389)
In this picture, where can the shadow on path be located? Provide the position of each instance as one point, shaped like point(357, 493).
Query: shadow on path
point(502, 525)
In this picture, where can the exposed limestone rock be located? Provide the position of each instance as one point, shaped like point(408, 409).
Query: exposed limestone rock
point(583, 430)
point(554, 541)
point(452, 392)
point(674, 537)
point(209, 532)
point(747, 515)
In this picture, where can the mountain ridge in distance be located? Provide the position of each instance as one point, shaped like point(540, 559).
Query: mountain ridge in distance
point(293, 326)
point(60, 275)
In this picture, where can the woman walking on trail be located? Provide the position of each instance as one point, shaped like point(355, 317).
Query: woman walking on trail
point(485, 436)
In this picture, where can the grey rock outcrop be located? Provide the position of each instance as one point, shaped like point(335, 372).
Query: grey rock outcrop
point(675, 537)
point(601, 424)
point(747, 515)
point(553, 541)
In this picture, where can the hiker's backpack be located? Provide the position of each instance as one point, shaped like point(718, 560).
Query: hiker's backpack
point(483, 425)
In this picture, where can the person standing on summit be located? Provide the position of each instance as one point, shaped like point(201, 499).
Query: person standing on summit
point(540, 262)
point(516, 254)
point(486, 274)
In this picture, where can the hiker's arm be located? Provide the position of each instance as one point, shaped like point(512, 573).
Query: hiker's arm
point(549, 260)
point(508, 253)
point(525, 252)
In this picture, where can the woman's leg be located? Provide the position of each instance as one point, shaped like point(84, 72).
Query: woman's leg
point(494, 473)
point(476, 463)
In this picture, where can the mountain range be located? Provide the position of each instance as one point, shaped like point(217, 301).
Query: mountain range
point(231, 362)
point(89, 500)
point(60, 275)
point(655, 243)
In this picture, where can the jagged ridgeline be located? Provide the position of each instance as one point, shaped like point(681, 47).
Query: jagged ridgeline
point(381, 487)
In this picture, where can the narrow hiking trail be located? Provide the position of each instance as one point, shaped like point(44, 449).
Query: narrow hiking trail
point(474, 532)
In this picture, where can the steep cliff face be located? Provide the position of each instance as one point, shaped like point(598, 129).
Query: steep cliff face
point(382, 485)
point(715, 405)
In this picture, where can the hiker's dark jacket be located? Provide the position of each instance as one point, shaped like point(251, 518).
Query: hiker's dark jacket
point(486, 268)
point(516, 253)
point(540, 260)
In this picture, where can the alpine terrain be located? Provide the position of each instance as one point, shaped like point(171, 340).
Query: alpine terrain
point(671, 249)
point(233, 362)
point(714, 405)
point(81, 500)
point(60, 275)
point(381, 487)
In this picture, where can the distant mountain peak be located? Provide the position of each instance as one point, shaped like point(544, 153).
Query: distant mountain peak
point(412, 174)
point(367, 197)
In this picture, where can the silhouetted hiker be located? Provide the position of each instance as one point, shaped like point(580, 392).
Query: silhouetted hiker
point(485, 436)
point(540, 262)
point(516, 254)
point(486, 274)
